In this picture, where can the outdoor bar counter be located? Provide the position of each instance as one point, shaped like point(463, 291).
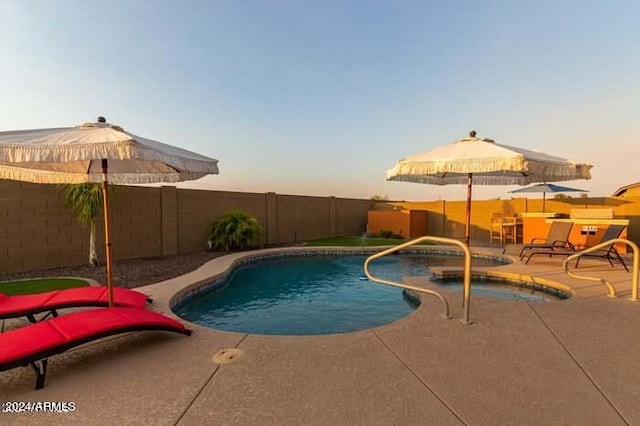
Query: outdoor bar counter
point(588, 226)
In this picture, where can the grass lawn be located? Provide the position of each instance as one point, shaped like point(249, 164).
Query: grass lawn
point(356, 241)
point(42, 285)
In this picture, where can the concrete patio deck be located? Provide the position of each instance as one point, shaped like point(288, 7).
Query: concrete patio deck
point(575, 361)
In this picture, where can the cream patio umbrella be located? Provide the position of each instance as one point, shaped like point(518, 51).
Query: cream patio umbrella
point(96, 152)
point(478, 161)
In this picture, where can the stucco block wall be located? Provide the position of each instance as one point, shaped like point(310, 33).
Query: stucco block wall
point(37, 231)
point(301, 218)
point(351, 216)
point(169, 220)
point(405, 223)
point(135, 218)
point(198, 209)
point(398, 222)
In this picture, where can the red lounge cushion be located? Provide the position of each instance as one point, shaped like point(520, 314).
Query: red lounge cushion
point(25, 302)
point(100, 295)
point(125, 297)
point(29, 340)
point(77, 295)
point(82, 324)
point(69, 297)
point(35, 338)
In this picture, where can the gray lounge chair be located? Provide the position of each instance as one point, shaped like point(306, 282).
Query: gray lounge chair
point(609, 252)
point(557, 238)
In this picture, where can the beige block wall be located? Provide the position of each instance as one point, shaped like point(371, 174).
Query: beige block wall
point(285, 219)
point(301, 218)
point(169, 220)
point(136, 223)
point(351, 216)
point(37, 231)
point(198, 209)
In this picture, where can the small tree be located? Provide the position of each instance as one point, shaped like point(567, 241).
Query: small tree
point(561, 197)
point(85, 199)
point(236, 229)
point(378, 197)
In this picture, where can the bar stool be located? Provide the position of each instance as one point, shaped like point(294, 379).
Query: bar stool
point(510, 230)
point(495, 229)
point(504, 228)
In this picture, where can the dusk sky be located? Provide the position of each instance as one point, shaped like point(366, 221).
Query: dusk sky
point(322, 97)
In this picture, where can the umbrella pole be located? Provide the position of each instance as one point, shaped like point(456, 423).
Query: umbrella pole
point(467, 226)
point(544, 198)
point(107, 230)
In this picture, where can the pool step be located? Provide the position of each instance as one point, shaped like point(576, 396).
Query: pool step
point(452, 272)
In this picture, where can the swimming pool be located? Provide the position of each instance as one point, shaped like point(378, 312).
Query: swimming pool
point(317, 294)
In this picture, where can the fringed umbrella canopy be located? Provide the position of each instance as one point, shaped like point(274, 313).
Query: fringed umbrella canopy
point(96, 152)
point(478, 161)
point(75, 154)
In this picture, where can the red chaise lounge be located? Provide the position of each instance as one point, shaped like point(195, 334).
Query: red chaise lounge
point(31, 304)
point(35, 343)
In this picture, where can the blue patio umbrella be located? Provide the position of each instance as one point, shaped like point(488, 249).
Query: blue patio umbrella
point(547, 187)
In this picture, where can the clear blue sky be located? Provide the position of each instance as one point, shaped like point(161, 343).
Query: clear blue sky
point(321, 97)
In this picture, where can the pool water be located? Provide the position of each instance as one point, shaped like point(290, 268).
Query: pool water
point(311, 295)
point(499, 289)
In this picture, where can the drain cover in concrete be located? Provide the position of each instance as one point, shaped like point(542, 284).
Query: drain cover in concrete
point(227, 356)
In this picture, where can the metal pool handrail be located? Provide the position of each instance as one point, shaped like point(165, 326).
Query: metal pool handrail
point(612, 290)
point(467, 273)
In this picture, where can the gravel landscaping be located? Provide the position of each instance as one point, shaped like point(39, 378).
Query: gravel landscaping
point(129, 273)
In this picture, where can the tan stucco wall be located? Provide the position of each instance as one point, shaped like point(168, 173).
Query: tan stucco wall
point(37, 231)
point(398, 222)
point(136, 224)
point(351, 215)
point(447, 218)
point(631, 191)
point(198, 209)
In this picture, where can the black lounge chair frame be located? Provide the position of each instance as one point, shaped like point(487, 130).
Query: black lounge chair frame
point(39, 360)
point(610, 253)
point(552, 241)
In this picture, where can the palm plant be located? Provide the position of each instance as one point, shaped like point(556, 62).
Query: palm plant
point(236, 229)
point(85, 199)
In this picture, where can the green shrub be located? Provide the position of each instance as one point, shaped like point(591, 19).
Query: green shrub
point(385, 233)
point(235, 230)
